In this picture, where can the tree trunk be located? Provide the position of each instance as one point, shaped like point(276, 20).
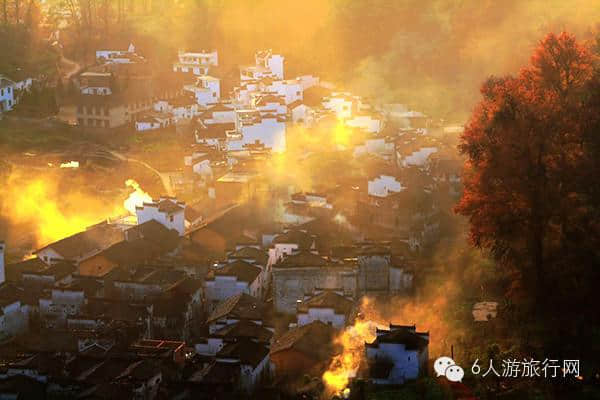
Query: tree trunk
point(5, 12)
point(17, 5)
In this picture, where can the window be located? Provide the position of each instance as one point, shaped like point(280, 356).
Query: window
point(171, 218)
point(106, 111)
point(106, 123)
point(80, 121)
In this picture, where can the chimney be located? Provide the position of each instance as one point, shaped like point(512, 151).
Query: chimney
point(2, 274)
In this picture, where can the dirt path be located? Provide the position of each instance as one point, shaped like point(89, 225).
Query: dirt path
point(73, 67)
point(164, 178)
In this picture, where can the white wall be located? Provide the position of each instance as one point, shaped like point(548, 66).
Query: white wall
point(419, 157)
point(308, 81)
point(406, 362)
point(341, 106)
point(400, 281)
point(48, 255)
point(325, 315)
point(383, 185)
point(269, 131)
point(172, 221)
point(146, 126)
point(224, 287)
point(290, 90)
point(275, 65)
point(14, 320)
point(7, 100)
point(366, 122)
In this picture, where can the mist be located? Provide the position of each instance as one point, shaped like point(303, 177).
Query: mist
point(430, 55)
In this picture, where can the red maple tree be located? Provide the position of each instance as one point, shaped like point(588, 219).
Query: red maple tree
point(532, 170)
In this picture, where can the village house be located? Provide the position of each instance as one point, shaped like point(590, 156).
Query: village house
point(153, 120)
point(305, 207)
point(182, 108)
point(343, 104)
point(197, 63)
point(289, 242)
point(267, 65)
point(255, 255)
point(376, 146)
point(253, 128)
point(232, 279)
point(14, 313)
point(174, 314)
point(328, 306)
point(236, 187)
point(240, 365)
point(62, 303)
point(383, 185)
point(144, 243)
point(301, 113)
point(367, 122)
point(214, 134)
point(267, 103)
point(167, 210)
point(397, 354)
point(306, 349)
point(235, 309)
point(57, 273)
point(22, 81)
point(206, 90)
point(218, 113)
point(109, 99)
point(153, 348)
point(118, 56)
point(82, 245)
point(7, 94)
point(143, 283)
point(304, 272)
point(14, 271)
point(242, 330)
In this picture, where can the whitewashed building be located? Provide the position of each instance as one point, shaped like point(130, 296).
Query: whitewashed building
point(342, 104)
point(328, 306)
point(153, 120)
point(366, 122)
point(376, 146)
point(397, 355)
point(254, 128)
point(206, 90)
point(267, 65)
point(118, 56)
point(197, 63)
point(7, 94)
point(14, 318)
point(233, 279)
point(384, 185)
point(167, 210)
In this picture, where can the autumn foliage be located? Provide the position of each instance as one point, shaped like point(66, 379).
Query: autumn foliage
point(532, 177)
